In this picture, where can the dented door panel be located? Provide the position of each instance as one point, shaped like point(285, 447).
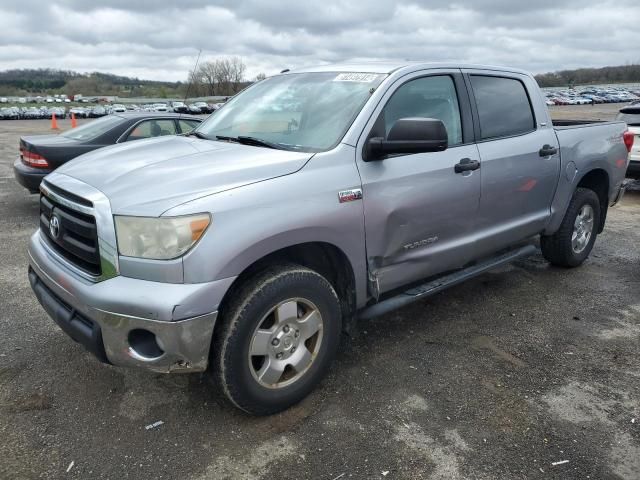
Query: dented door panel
point(419, 215)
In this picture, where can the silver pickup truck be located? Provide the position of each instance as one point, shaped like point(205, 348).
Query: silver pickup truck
point(311, 199)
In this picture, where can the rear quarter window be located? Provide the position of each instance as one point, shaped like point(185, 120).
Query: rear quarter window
point(187, 125)
point(503, 106)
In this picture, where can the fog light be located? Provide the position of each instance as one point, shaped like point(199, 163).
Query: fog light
point(144, 343)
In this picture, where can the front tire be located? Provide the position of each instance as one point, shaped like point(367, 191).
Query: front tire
point(572, 243)
point(279, 334)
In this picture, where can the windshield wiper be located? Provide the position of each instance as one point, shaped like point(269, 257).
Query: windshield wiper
point(227, 139)
point(197, 134)
point(258, 142)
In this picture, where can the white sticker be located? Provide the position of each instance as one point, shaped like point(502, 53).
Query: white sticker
point(356, 77)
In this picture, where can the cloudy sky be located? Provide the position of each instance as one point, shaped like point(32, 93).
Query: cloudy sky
point(159, 39)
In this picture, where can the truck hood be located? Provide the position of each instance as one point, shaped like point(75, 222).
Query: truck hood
point(147, 177)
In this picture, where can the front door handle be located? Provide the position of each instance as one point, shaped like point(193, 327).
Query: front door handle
point(466, 165)
point(547, 151)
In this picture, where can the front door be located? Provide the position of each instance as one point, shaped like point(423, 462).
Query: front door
point(419, 213)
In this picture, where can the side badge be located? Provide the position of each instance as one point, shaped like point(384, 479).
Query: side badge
point(350, 195)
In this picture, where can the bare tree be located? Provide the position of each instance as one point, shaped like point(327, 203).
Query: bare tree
point(261, 76)
point(194, 86)
point(223, 76)
point(236, 73)
point(207, 74)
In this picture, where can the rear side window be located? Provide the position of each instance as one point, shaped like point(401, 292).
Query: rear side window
point(93, 129)
point(503, 106)
point(152, 128)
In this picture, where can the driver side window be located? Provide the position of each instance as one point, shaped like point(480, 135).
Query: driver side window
point(427, 97)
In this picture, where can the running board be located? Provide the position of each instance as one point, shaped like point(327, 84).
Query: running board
point(435, 286)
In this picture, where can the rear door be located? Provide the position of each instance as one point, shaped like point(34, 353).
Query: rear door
point(419, 213)
point(520, 158)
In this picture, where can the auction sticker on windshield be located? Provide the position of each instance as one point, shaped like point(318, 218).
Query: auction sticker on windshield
point(356, 77)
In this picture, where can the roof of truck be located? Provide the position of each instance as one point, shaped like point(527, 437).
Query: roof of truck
point(390, 67)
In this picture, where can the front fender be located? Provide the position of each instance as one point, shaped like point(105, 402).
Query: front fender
point(253, 221)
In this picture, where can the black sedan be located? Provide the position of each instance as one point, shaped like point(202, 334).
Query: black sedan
point(41, 154)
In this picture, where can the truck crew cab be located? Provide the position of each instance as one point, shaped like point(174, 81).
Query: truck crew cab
point(310, 199)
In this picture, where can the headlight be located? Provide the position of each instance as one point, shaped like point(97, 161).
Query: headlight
point(159, 238)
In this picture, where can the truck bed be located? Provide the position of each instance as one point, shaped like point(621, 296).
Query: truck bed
point(587, 145)
point(563, 124)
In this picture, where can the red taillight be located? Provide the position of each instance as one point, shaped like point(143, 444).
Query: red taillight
point(33, 159)
point(628, 140)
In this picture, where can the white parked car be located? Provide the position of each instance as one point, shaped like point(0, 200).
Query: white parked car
point(179, 107)
point(118, 108)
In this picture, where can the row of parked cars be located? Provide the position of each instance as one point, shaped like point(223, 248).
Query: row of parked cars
point(592, 95)
point(31, 113)
point(96, 111)
point(195, 108)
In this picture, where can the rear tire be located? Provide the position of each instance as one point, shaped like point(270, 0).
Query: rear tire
point(572, 243)
point(277, 338)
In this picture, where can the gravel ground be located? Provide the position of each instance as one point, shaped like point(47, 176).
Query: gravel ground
point(498, 378)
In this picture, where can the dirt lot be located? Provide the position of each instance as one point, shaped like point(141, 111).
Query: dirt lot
point(498, 378)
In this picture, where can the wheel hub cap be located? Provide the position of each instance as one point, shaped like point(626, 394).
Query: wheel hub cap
point(582, 228)
point(285, 343)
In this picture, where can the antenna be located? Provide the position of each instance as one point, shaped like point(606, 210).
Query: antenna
point(186, 93)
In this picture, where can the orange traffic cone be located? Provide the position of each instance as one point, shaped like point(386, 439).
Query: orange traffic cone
point(74, 123)
point(54, 122)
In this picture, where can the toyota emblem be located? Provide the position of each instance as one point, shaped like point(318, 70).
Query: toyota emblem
point(54, 226)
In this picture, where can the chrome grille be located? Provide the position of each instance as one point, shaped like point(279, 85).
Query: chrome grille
point(71, 233)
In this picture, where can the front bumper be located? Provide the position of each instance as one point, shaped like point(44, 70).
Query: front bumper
point(129, 322)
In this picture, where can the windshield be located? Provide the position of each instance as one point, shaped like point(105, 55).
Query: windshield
point(93, 129)
point(305, 111)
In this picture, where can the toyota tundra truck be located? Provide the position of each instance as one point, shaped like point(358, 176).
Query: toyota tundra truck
point(310, 200)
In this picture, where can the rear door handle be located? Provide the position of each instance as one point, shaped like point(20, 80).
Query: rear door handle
point(547, 151)
point(466, 165)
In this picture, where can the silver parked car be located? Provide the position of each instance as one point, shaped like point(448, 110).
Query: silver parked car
point(631, 116)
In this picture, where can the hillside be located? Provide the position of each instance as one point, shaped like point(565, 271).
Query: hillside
point(584, 76)
point(48, 81)
point(31, 82)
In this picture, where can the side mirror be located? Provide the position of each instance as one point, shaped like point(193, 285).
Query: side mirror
point(409, 135)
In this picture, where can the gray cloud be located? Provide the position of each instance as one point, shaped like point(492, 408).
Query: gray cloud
point(159, 39)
